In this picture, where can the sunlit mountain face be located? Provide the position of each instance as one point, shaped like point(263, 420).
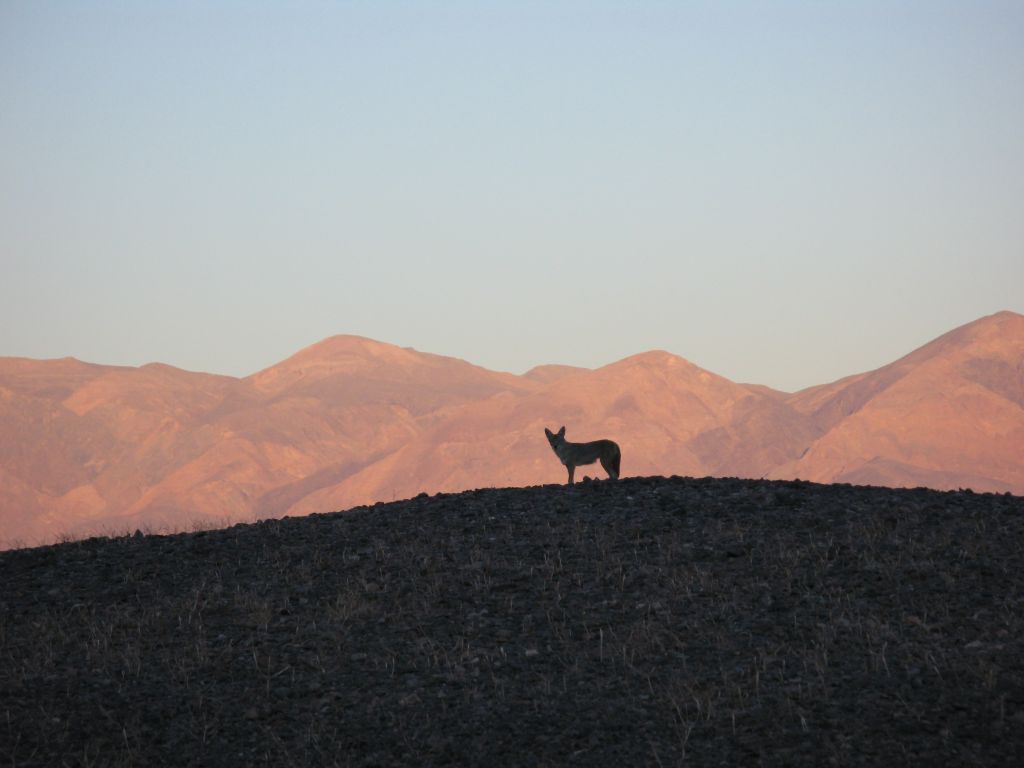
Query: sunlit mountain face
point(90, 449)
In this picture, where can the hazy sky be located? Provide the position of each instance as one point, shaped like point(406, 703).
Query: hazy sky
point(784, 193)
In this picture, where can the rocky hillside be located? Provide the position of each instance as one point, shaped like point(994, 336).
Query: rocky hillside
point(651, 621)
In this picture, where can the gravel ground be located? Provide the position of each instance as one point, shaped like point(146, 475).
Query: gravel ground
point(652, 621)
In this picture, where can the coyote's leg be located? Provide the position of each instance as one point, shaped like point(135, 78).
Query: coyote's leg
point(572, 471)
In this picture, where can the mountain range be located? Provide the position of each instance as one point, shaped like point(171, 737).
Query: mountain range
point(88, 448)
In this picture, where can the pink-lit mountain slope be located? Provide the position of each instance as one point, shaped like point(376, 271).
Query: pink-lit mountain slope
point(948, 415)
point(87, 448)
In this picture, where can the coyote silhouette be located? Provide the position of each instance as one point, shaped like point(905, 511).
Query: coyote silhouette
point(573, 455)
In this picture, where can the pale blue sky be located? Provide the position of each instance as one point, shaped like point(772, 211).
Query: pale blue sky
point(784, 193)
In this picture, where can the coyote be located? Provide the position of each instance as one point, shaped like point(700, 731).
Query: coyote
point(577, 454)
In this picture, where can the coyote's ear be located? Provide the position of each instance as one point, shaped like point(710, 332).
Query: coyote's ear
point(561, 432)
point(549, 433)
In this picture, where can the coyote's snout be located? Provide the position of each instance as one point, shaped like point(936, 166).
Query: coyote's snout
point(577, 454)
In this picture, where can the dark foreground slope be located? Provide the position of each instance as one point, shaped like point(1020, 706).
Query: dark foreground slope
point(649, 621)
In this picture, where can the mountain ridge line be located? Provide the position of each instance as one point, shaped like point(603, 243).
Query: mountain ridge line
point(350, 420)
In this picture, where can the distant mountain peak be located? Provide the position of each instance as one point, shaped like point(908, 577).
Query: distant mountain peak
point(344, 346)
point(340, 354)
point(1004, 314)
point(658, 358)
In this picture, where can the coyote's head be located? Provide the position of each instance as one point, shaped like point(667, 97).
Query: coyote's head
point(555, 439)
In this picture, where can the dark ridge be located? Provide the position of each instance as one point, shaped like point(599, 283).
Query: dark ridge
point(650, 621)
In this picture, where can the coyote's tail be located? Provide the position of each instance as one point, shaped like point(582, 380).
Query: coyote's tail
point(616, 461)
